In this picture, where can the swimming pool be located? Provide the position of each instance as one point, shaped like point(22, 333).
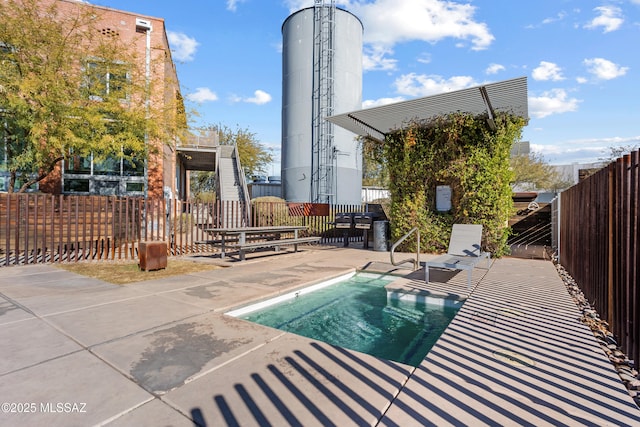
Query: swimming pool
point(356, 312)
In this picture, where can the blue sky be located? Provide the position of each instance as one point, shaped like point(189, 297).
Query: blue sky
point(580, 57)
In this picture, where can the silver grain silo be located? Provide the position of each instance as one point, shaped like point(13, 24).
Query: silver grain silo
point(322, 76)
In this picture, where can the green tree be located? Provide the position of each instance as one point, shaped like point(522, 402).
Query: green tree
point(67, 89)
point(254, 157)
point(532, 172)
point(374, 168)
point(203, 186)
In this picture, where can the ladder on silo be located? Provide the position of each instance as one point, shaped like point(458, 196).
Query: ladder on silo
point(323, 149)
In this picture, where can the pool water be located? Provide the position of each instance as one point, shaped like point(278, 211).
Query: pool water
point(357, 314)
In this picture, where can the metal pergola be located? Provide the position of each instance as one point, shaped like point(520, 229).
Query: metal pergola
point(504, 96)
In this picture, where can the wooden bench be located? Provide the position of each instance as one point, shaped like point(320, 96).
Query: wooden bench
point(242, 247)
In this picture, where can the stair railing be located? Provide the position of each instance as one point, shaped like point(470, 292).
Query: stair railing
point(532, 234)
point(245, 201)
point(219, 216)
point(416, 261)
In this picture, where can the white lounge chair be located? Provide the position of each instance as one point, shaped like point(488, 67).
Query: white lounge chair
point(464, 251)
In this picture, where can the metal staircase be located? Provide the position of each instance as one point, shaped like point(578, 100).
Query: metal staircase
point(232, 187)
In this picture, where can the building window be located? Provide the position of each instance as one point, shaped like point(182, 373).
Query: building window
point(107, 188)
point(76, 185)
point(109, 166)
point(78, 165)
point(111, 176)
point(133, 166)
point(135, 186)
point(106, 80)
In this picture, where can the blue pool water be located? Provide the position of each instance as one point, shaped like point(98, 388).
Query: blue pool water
point(357, 314)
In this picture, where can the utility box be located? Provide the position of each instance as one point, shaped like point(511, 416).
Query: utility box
point(443, 198)
point(153, 255)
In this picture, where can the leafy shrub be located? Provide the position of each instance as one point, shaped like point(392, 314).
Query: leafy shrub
point(270, 211)
point(463, 152)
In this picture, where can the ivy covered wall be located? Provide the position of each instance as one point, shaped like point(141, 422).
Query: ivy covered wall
point(459, 150)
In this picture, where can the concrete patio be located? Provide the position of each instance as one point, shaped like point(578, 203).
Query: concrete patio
point(79, 351)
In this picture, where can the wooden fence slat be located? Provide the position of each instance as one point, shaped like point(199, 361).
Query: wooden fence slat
point(7, 234)
point(17, 229)
point(635, 303)
point(27, 231)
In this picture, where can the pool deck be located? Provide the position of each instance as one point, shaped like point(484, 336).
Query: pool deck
point(79, 351)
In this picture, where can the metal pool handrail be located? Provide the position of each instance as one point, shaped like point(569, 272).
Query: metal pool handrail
point(415, 262)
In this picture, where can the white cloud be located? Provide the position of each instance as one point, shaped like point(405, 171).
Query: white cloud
point(369, 103)
point(613, 141)
point(430, 21)
point(259, 97)
point(295, 5)
point(202, 94)
point(425, 58)
point(562, 154)
point(390, 22)
point(609, 18)
point(183, 47)
point(547, 71)
point(584, 150)
point(494, 68)
point(559, 17)
point(373, 59)
point(555, 101)
point(604, 69)
point(417, 85)
point(617, 141)
point(232, 5)
point(547, 21)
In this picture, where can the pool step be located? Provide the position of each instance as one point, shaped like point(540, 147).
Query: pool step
point(414, 316)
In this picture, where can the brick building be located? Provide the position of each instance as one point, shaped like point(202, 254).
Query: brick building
point(164, 170)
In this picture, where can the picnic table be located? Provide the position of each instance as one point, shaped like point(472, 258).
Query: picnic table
point(269, 237)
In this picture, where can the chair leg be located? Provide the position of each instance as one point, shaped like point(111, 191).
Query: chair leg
point(426, 274)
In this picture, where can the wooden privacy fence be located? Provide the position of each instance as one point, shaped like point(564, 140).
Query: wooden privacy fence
point(42, 228)
point(599, 233)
